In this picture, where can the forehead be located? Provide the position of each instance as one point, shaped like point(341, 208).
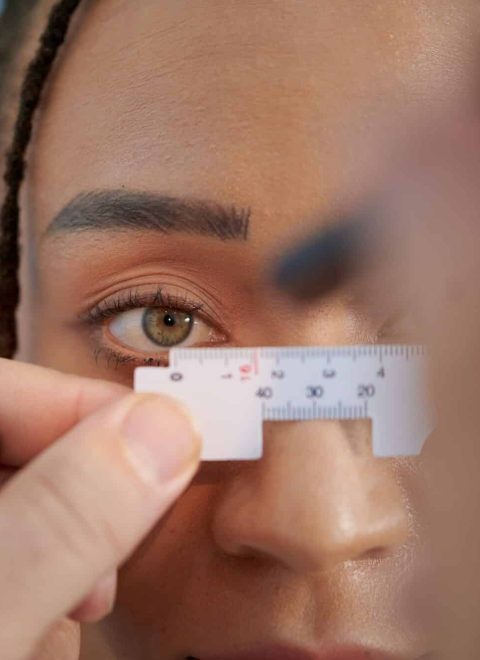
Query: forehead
point(252, 102)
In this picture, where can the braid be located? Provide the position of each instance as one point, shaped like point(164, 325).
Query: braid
point(31, 91)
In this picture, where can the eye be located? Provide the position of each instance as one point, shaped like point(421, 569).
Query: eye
point(155, 328)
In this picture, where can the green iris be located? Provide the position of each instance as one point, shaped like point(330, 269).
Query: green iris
point(167, 327)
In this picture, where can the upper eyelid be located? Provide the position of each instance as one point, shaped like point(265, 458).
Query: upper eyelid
point(123, 301)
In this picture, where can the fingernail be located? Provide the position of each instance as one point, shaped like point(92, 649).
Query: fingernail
point(160, 439)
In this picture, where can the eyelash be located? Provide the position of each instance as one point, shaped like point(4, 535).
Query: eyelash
point(133, 299)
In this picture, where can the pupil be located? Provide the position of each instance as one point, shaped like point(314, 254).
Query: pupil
point(168, 320)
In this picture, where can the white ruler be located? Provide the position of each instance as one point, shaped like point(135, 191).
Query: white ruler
point(232, 391)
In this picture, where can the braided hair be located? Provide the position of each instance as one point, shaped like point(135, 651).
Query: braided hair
point(31, 91)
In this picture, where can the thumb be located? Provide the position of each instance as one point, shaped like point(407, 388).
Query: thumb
point(81, 507)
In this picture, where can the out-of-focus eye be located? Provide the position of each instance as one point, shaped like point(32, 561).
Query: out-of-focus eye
point(155, 328)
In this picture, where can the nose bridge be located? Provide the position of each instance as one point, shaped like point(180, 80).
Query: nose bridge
point(317, 498)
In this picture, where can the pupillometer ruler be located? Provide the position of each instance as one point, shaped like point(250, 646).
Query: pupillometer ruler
point(232, 391)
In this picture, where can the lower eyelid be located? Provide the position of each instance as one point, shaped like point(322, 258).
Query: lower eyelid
point(116, 359)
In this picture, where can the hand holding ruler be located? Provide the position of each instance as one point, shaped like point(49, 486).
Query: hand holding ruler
point(231, 391)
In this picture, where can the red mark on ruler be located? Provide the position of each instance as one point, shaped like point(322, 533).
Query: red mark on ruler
point(245, 371)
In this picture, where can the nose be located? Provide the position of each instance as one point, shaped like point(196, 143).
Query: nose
point(317, 498)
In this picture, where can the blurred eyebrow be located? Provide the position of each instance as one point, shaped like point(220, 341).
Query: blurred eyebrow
point(120, 210)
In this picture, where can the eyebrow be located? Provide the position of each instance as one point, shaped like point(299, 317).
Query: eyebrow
point(113, 210)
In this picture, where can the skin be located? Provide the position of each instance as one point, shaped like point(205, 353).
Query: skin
point(265, 106)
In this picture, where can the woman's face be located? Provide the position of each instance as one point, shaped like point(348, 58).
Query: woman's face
point(250, 111)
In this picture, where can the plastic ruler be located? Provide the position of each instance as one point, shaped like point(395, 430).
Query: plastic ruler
point(230, 392)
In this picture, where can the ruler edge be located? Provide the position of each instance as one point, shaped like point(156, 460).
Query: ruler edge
point(343, 350)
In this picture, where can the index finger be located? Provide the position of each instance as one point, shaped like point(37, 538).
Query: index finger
point(38, 405)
